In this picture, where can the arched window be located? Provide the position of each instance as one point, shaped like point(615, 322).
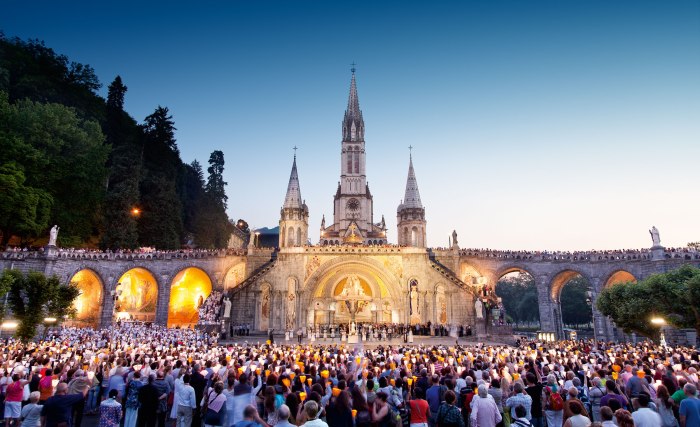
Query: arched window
point(299, 236)
point(357, 161)
point(414, 236)
point(349, 157)
point(290, 236)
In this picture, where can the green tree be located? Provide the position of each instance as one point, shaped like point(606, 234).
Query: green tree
point(33, 297)
point(124, 162)
point(216, 186)
point(519, 295)
point(24, 211)
point(160, 223)
point(60, 154)
point(674, 296)
point(575, 310)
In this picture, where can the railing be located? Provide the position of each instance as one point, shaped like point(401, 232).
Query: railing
point(645, 254)
point(118, 256)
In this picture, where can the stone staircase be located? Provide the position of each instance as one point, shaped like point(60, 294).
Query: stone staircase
point(242, 297)
point(449, 275)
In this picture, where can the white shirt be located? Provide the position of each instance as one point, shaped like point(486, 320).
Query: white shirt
point(184, 394)
point(645, 417)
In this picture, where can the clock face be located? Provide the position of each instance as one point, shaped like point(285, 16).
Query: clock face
point(353, 204)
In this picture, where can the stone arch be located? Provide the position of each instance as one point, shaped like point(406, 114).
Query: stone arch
point(560, 279)
point(469, 273)
point(234, 276)
point(385, 286)
point(189, 288)
point(139, 295)
point(89, 303)
point(556, 285)
point(619, 276)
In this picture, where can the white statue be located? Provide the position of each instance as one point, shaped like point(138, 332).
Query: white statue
point(454, 238)
point(655, 239)
point(352, 287)
point(479, 308)
point(353, 329)
point(53, 235)
point(227, 308)
point(415, 307)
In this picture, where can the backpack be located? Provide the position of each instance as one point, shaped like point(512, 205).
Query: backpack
point(555, 402)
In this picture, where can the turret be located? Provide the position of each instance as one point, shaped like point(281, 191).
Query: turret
point(410, 215)
point(294, 215)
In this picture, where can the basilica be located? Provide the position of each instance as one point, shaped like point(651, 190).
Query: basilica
point(353, 273)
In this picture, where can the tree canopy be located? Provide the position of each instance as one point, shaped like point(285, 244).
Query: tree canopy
point(72, 158)
point(32, 297)
point(673, 296)
point(519, 295)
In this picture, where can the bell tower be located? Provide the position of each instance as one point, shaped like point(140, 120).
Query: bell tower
point(294, 215)
point(410, 215)
point(352, 205)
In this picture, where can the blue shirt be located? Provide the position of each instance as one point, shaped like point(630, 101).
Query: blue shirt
point(690, 409)
point(432, 395)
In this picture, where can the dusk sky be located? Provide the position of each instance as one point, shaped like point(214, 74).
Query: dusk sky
point(535, 124)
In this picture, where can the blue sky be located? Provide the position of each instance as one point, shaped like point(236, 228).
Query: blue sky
point(536, 124)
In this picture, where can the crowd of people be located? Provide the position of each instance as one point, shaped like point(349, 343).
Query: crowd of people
point(210, 309)
point(146, 375)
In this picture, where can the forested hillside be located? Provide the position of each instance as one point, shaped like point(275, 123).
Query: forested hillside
point(72, 158)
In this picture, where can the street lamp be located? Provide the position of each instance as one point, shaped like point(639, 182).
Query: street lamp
point(257, 239)
point(589, 301)
point(135, 211)
point(660, 322)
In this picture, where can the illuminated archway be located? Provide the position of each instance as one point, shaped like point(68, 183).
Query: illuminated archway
point(189, 289)
point(88, 305)
point(620, 276)
point(137, 296)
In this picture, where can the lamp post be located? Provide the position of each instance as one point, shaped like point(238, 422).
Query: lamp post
point(589, 301)
point(660, 322)
point(257, 239)
point(116, 293)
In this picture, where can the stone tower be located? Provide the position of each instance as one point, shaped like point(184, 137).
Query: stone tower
point(352, 205)
point(410, 215)
point(294, 215)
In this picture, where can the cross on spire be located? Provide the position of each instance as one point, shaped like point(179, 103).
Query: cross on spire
point(295, 151)
point(410, 151)
point(353, 67)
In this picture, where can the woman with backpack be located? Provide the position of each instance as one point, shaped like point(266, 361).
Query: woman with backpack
point(448, 415)
point(214, 406)
point(554, 403)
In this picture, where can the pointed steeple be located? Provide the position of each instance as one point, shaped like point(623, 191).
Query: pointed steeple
point(293, 197)
point(412, 197)
point(353, 124)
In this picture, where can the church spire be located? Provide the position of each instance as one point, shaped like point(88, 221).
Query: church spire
point(293, 197)
point(412, 197)
point(353, 124)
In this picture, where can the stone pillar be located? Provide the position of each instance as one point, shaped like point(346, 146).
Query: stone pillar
point(548, 321)
point(163, 301)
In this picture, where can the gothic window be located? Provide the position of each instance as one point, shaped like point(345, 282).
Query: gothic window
point(290, 236)
point(299, 236)
point(357, 161)
point(414, 236)
point(349, 157)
